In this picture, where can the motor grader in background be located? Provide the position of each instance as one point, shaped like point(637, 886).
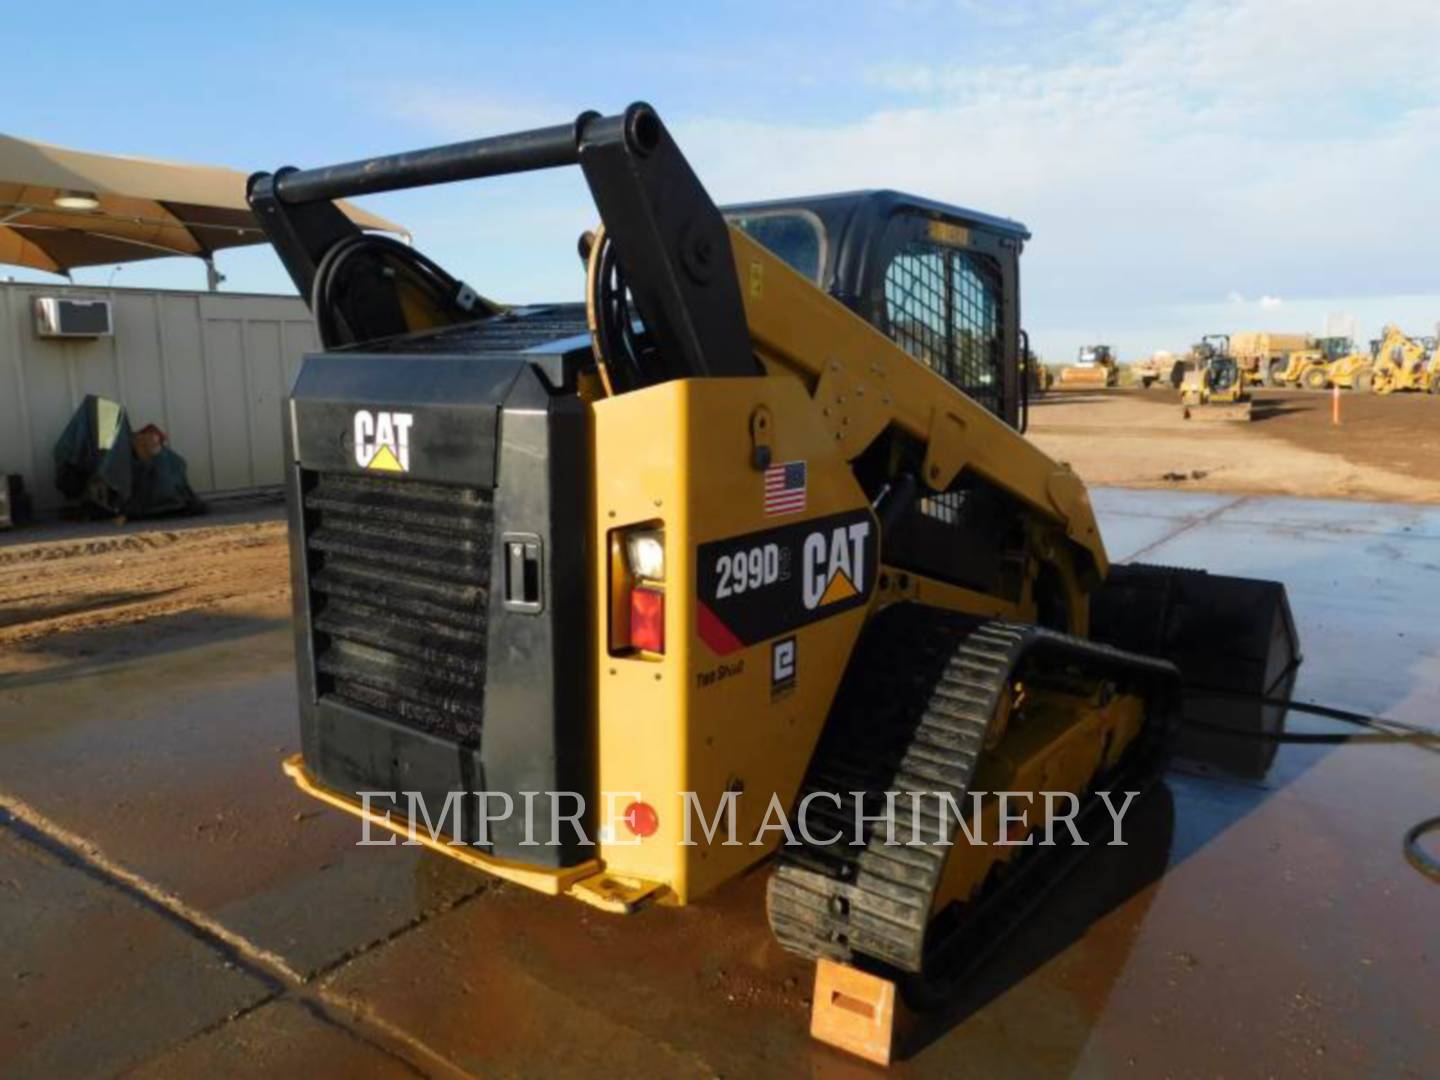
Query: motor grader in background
point(1095, 368)
point(753, 524)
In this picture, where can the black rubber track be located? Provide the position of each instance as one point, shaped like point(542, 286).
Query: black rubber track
point(912, 715)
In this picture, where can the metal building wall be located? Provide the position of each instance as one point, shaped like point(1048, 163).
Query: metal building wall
point(210, 369)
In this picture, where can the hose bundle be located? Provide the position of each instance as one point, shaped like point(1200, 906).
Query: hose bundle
point(369, 287)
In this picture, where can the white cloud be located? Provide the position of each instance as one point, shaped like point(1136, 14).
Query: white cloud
point(461, 115)
point(1270, 302)
point(1164, 154)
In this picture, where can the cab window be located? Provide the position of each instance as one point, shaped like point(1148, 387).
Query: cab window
point(942, 306)
point(795, 236)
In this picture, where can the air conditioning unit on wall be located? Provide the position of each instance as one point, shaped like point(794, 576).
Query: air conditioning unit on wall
point(65, 317)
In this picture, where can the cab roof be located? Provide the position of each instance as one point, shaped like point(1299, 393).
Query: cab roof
point(883, 202)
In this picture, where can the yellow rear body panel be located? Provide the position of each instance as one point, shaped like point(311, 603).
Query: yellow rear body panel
point(693, 720)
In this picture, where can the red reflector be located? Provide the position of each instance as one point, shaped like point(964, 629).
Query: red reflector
point(640, 818)
point(647, 619)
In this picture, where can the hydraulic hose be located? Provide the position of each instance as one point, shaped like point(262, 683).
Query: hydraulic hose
point(402, 271)
point(1417, 856)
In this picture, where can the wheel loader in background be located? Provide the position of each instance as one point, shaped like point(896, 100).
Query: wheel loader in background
point(1353, 371)
point(1094, 368)
point(753, 526)
point(1214, 388)
point(1324, 352)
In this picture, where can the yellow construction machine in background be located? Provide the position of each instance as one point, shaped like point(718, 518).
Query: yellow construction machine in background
point(1094, 368)
point(1263, 356)
point(1319, 356)
point(1401, 363)
point(1157, 367)
point(1214, 388)
point(1353, 371)
point(1037, 374)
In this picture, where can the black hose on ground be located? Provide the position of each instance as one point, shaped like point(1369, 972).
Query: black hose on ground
point(1417, 856)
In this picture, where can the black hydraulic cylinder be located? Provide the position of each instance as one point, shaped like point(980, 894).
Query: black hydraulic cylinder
point(522, 151)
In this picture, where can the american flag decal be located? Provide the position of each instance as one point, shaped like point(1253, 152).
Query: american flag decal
point(785, 488)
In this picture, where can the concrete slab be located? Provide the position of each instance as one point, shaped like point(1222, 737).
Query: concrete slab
point(93, 981)
point(1133, 521)
point(279, 1039)
point(1252, 928)
point(169, 762)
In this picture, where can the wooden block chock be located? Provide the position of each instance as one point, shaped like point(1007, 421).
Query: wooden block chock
point(853, 1011)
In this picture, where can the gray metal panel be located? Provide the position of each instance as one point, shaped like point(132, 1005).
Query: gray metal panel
point(223, 355)
point(264, 347)
point(187, 390)
point(211, 369)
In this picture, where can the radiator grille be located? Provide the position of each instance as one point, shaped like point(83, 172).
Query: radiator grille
point(399, 575)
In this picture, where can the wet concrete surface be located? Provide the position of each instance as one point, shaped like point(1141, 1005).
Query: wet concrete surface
point(1266, 928)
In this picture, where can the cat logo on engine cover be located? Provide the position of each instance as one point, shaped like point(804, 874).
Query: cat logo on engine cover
point(382, 440)
point(764, 584)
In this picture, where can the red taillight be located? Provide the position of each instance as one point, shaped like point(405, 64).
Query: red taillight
point(647, 620)
point(640, 818)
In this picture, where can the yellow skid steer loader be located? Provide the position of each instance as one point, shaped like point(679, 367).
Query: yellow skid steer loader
point(1214, 388)
point(751, 534)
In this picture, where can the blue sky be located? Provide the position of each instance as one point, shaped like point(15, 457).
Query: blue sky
point(1186, 166)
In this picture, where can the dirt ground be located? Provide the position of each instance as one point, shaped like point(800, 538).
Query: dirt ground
point(101, 575)
point(1385, 448)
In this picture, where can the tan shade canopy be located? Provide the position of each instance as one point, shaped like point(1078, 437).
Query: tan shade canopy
point(122, 209)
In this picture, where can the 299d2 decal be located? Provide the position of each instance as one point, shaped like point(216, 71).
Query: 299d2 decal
point(764, 584)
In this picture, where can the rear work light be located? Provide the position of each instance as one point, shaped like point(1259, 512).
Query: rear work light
point(637, 597)
point(645, 554)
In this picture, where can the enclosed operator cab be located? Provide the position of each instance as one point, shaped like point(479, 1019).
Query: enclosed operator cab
point(941, 281)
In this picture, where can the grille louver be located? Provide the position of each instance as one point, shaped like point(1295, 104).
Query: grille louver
point(399, 576)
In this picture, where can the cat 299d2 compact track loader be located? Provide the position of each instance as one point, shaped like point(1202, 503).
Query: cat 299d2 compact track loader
point(754, 525)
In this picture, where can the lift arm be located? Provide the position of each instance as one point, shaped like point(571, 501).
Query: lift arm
point(669, 235)
point(863, 383)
